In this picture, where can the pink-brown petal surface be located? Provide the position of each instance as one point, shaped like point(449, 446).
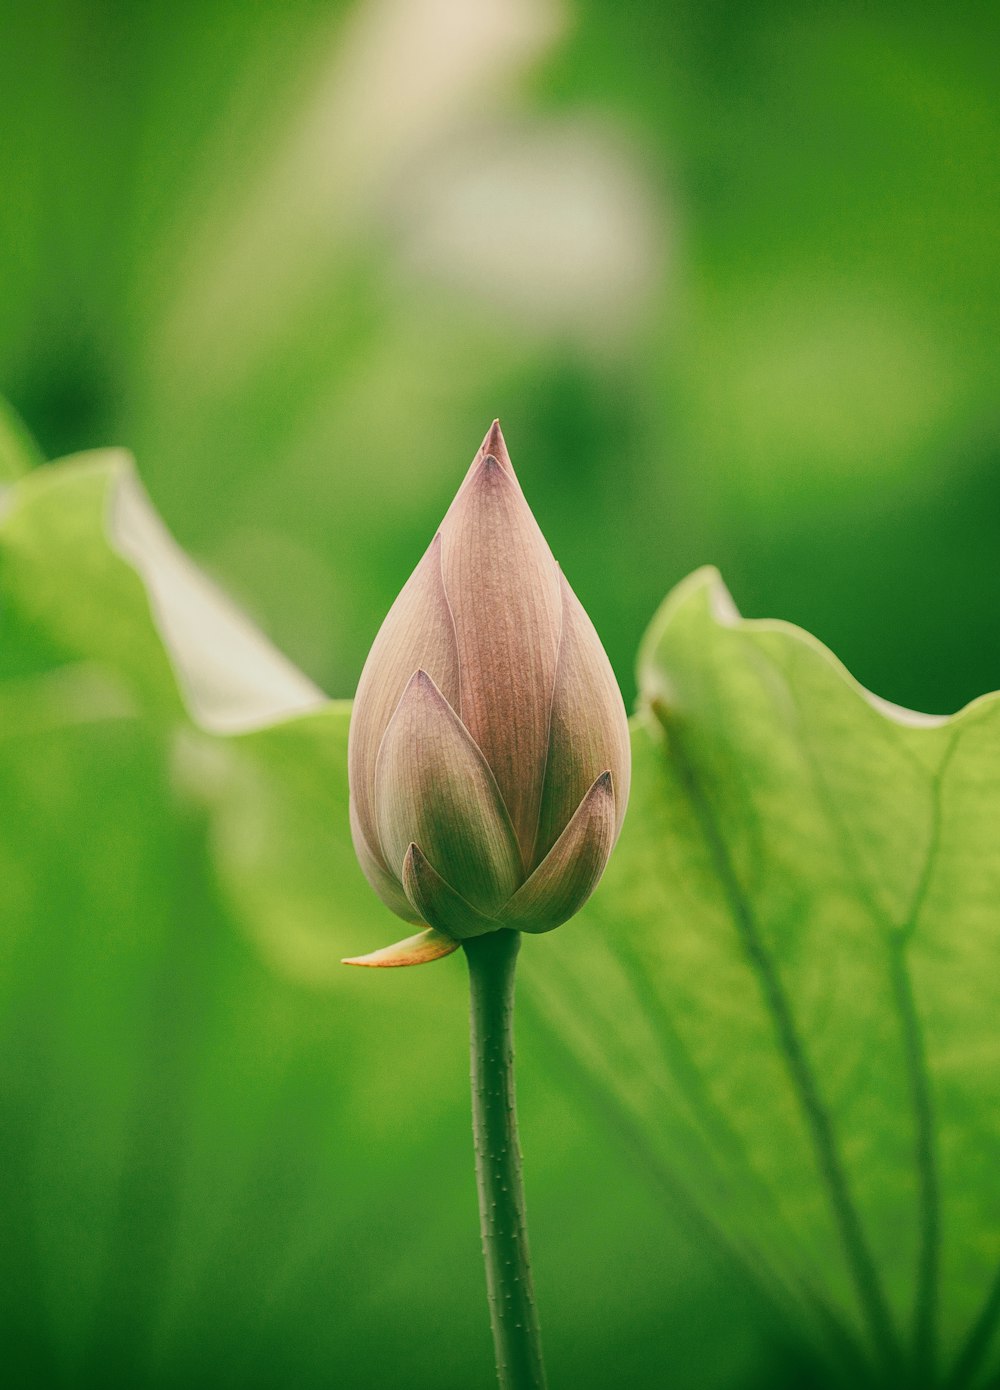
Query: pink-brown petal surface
point(433, 788)
point(418, 633)
point(588, 731)
point(378, 875)
point(572, 869)
point(503, 588)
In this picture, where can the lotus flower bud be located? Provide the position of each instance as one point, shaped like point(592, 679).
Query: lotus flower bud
point(489, 750)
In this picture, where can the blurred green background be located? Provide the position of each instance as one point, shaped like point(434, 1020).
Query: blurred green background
point(727, 274)
point(729, 277)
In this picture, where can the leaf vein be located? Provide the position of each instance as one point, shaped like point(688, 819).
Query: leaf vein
point(858, 1256)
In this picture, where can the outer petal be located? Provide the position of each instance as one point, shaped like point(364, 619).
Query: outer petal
point(572, 869)
point(378, 876)
point(415, 950)
point(418, 633)
point(437, 902)
point(588, 730)
point(434, 788)
point(503, 587)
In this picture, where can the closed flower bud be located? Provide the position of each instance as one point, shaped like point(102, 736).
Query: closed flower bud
point(489, 750)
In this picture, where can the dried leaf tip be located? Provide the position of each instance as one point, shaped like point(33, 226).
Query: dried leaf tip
point(414, 950)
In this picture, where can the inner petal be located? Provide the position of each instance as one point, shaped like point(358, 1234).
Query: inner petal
point(503, 587)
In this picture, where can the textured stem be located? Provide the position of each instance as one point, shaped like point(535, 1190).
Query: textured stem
point(516, 1339)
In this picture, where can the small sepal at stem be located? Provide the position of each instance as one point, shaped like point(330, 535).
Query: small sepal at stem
point(414, 950)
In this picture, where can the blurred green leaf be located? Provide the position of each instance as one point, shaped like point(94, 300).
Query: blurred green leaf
point(775, 1023)
point(225, 1155)
point(18, 451)
point(786, 984)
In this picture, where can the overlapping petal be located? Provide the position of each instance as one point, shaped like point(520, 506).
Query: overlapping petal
point(418, 633)
point(503, 588)
point(588, 729)
point(494, 445)
point(437, 902)
point(434, 788)
point(489, 753)
point(571, 870)
point(373, 868)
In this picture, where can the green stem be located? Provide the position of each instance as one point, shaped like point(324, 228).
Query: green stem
point(516, 1340)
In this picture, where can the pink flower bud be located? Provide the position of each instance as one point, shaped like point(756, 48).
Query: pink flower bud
point(489, 751)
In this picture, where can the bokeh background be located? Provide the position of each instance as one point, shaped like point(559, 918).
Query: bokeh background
point(729, 277)
point(727, 274)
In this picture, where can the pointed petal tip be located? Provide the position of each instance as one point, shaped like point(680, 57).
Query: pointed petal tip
point(495, 446)
point(604, 788)
point(413, 859)
point(493, 443)
point(489, 470)
point(492, 477)
point(421, 684)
